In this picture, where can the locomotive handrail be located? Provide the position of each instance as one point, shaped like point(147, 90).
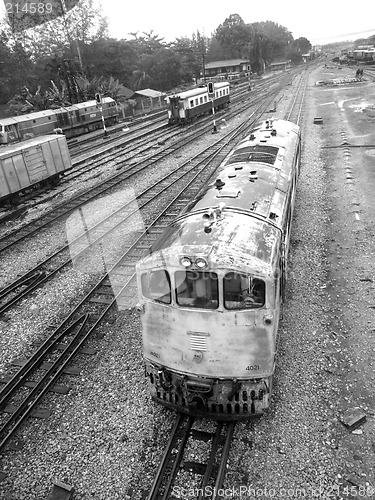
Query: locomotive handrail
point(242, 211)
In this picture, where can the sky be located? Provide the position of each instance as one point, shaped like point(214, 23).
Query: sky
point(320, 21)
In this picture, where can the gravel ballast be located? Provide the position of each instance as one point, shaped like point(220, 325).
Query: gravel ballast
point(106, 438)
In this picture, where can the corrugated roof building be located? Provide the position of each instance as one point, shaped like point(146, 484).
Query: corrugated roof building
point(228, 68)
point(149, 100)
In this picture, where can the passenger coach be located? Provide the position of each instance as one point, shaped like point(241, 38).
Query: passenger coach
point(187, 106)
point(212, 288)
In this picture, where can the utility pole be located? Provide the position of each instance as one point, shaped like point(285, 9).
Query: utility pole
point(99, 102)
point(211, 95)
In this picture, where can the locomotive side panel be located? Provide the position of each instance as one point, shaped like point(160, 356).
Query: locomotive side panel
point(36, 124)
point(73, 120)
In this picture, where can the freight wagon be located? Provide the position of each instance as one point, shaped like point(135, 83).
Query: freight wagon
point(32, 163)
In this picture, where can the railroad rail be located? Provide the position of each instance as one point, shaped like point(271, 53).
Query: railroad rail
point(173, 463)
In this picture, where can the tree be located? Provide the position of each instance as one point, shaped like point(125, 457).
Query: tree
point(108, 56)
point(302, 45)
point(106, 86)
point(273, 41)
point(192, 56)
point(83, 24)
point(140, 80)
point(256, 57)
point(235, 35)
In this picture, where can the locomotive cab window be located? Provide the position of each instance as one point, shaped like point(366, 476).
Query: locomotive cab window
point(197, 289)
point(242, 291)
point(156, 285)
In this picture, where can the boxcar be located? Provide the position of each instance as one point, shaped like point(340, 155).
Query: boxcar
point(30, 163)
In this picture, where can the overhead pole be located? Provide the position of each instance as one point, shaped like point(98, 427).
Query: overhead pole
point(99, 102)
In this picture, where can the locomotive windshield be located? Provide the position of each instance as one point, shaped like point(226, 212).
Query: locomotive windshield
point(242, 291)
point(197, 289)
point(156, 285)
point(200, 289)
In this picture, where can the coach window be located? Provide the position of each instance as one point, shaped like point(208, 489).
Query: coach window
point(197, 289)
point(192, 103)
point(196, 101)
point(242, 291)
point(156, 285)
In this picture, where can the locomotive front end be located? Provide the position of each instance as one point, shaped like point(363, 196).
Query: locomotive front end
point(207, 302)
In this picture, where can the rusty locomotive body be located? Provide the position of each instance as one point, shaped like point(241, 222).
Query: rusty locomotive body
point(72, 120)
point(211, 290)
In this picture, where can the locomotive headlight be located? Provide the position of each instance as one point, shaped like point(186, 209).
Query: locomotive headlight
point(200, 263)
point(185, 262)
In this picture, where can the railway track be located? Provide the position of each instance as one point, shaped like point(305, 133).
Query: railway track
point(132, 142)
point(295, 111)
point(24, 285)
point(116, 288)
point(175, 469)
point(120, 149)
point(137, 123)
point(127, 171)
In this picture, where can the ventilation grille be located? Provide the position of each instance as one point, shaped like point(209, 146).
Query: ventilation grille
point(198, 343)
point(258, 153)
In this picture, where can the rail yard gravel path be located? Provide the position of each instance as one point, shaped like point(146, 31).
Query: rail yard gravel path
point(105, 438)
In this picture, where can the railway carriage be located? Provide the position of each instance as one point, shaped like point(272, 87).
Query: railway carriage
point(186, 106)
point(211, 290)
point(31, 163)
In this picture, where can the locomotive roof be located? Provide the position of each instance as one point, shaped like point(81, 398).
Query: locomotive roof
point(255, 175)
point(87, 104)
point(198, 91)
point(31, 116)
point(244, 205)
point(235, 241)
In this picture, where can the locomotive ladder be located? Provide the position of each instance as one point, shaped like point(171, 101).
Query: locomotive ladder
point(173, 463)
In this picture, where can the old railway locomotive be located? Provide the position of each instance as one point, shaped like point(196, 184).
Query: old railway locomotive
point(212, 288)
point(72, 120)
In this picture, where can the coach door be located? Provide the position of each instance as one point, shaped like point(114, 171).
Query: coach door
point(175, 107)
